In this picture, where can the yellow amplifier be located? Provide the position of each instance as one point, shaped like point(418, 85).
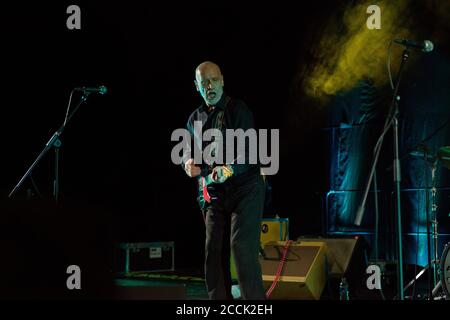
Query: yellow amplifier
point(304, 272)
point(272, 229)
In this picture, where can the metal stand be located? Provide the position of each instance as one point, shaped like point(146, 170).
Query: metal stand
point(391, 121)
point(421, 150)
point(435, 263)
point(55, 142)
point(432, 235)
point(434, 228)
point(397, 180)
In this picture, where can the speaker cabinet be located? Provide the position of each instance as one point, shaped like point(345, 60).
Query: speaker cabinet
point(304, 272)
point(339, 254)
point(272, 229)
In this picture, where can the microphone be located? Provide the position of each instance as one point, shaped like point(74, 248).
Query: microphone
point(425, 46)
point(101, 89)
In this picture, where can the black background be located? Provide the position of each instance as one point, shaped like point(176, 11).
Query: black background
point(115, 156)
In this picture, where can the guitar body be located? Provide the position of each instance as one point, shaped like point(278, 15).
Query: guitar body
point(206, 185)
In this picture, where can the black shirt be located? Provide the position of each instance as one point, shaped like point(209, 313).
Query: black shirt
point(228, 113)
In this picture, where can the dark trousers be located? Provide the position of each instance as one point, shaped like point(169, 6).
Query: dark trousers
point(234, 222)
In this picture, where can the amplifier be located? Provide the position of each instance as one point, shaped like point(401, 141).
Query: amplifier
point(339, 254)
point(304, 272)
point(272, 229)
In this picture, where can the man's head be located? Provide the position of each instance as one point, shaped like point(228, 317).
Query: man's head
point(209, 82)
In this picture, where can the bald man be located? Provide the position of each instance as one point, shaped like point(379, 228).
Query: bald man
point(231, 195)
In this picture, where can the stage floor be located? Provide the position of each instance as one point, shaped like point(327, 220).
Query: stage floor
point(179, 285)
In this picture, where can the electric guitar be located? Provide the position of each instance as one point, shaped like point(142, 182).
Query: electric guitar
point(215, 177)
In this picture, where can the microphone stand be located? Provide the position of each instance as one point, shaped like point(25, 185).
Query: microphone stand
point(391, 121)
point(55, 142)
point(432, 276)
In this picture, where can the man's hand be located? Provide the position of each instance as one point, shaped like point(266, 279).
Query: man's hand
point(191, 169)
point(221, 173)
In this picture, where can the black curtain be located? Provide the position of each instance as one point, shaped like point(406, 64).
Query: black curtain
point(356, 119)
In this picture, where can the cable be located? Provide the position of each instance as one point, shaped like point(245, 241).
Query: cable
point(279, 269)
point(388, 123)
point(35, 187)
point(389, 65)
point(68, 108)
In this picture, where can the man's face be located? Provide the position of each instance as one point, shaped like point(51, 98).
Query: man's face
point(209, 82)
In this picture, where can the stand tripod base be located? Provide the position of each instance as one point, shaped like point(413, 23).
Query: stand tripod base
point(442, 295)
point(415, 278)
point(436, 293)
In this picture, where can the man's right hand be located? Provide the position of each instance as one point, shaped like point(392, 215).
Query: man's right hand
point(191, 169)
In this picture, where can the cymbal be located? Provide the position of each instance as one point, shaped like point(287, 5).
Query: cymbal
point(444, 155)
point(422, 155)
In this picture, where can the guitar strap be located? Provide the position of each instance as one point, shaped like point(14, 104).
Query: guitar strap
point(220, 119)
point(217, 124)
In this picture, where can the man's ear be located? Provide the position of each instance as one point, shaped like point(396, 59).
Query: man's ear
point(223, 83)
point(196, 85)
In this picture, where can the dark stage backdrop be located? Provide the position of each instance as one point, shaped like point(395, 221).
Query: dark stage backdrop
point(115, 154)
point(115, 157)
point(356, 122)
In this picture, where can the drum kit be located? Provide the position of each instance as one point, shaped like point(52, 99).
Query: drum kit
point(440, 265)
